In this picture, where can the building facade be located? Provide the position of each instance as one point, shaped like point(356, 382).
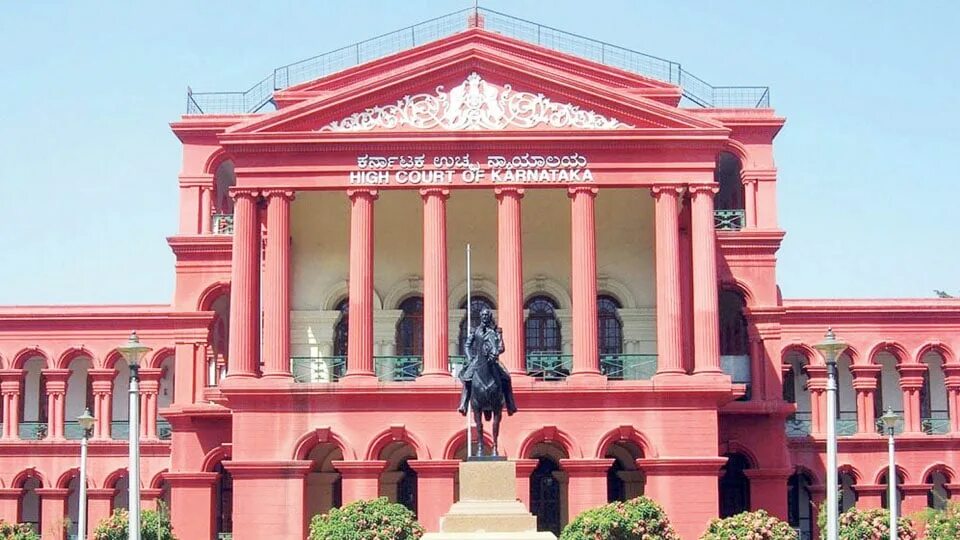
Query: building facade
point(623, 228)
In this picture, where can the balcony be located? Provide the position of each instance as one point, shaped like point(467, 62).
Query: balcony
point(33, 431)
point(738, 368)
point(222, 224)
point(729, 220)
point(938, 423)
point(318, 370)
point(397, 368)
point(798, 424)
point(549, 366)
point(628, 367)
point(120, 430)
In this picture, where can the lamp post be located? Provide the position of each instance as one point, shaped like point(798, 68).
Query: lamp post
point(86, 421)
point(830, 348)
point(133, 352)
point(890, 420)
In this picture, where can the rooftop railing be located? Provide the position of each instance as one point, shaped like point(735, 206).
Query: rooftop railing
point(259, 96)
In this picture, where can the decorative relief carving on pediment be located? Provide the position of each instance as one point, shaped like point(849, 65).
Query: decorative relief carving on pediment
point(474, 105)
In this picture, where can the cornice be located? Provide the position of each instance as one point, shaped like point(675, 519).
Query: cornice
point(206, 244)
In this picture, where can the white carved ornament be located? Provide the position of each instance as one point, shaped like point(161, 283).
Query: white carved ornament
point(475, 105)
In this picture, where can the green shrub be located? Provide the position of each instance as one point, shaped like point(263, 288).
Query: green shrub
point(17, 531)
point(872, 524)
point(944, 524)
point(154, 525)
point(366, 520)
point(757, 525)
point(636, 519)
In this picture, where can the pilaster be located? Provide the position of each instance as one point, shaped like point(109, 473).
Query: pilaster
point(56, 383)
point(436, 479)
point(268, 498)
point(588, 483)
point(359, 479)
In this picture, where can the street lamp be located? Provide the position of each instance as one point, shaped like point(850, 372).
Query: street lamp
point(830, 348)
point(133, 352)
point(890, 420)
point(86, 421)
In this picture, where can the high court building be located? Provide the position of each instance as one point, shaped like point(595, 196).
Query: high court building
point(623, 223)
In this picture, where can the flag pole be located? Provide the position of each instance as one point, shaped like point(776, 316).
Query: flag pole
point(467, 353)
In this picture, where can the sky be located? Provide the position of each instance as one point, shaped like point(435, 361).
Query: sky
point(88, 165)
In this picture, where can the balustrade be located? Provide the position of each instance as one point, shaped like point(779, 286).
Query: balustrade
point(327, 369)
point(798, 424)
point(223, 224)
point(729, 220)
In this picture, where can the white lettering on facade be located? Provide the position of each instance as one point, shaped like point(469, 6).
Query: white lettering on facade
point(520, 169)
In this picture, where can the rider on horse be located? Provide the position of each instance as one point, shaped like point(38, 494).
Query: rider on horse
point(486, 333)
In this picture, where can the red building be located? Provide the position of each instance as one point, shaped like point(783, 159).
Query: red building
point(622, 217)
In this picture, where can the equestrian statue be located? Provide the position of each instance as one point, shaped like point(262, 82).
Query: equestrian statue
point(486, 383)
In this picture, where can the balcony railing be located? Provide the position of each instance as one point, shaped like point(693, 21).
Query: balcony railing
point(223, 224)
point(628, 367)
point(846, 427)
point(798, 424)
point(729, 220)
point(938, 423)
point(897, 429)
point(549, 366)
point(33, 431)
point(72, 431)
point(164, 431)
point(120, 430)
point(315, 370)
point(398, 368)
point(737, 366)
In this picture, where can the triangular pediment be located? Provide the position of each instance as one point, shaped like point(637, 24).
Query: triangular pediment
point(477, 81)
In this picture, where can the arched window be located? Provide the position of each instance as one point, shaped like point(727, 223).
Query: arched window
point(729, 201)
point(477, 304)
point(407, 487)
point(799, 510)
point(734, 339)
point(410, 327)
point(939, 495)
point(848, 493)
point(545, 496)
point(734, 486)
point(609, 326)
point(28, 509)
point(223, 499)
point(341, 329)
point(542, 327)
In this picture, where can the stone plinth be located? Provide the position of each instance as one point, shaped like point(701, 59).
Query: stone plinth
point(488, 508)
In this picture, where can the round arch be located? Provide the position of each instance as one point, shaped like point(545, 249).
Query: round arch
point(71, 354)
point(739, 287)
point(616, 288)
point(626, 434)
point(111, 359)
point(323, 435)
point(213, 457)
point(111, 479)
point(901, 472)
point(29, 472)
point(340, 290)
point(479, 286)
point(69, 475)
point(392, 435)
point(738, 150)
point(215, 159)
point(852, 471)
point(157, 479)
point(550, 434)
point(944, 350)
point(939, 467)
point(26, 354)
point(403, 289)
point(808, 472)
point(804, 350)
point(158, 356)
point(210, 295)
point(459, 440)
point(894, 348)
point(736, 447)
point(542, 285)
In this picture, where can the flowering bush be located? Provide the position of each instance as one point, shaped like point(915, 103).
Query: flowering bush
point(944, 524)
point(154, 525)
point(366, 520)
point(17, 531)
point(757, 525)
point(872, 524)
point(636, 519)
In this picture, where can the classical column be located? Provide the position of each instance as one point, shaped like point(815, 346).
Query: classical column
point(817, 385)
point(206, 210)
point(435, 312)
point(669, 322)
point(359, 480)
point(583, 280)
point(360, 331)
point(244, 286)
point(587, 483)
point(276, 287)
point(435, 480)
point(865, 386)
point(11, 381)
point(510, 278)
point(750, 202)
point(149, 389)
point(706, 318)
point(56, 382)
point(911, 381)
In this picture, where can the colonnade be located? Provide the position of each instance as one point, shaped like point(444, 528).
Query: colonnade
point(698, 264)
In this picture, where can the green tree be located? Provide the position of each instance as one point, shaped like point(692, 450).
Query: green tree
point(636, 519)
point(154, 525)
point(379, 519)
point(758, 525)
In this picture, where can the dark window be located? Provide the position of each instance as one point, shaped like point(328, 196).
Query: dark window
point(790, 386)
point(616, 490)
point(545, 496)
point(925, 406)
point(542, 328)
point(727, 175)
point(798, 505)
point(224, 500)
point(477, 304)
point(734, 339)
point(734, 486)
point(410, 328)
point(342, 330)
point(609, 326)
point(407, 487)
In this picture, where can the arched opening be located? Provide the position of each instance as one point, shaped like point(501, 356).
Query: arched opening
point(28, 507)
point(165, 395)
point(164, 496)
point(934, 411)
point(610, 338)
point(846, 398)
point(398, 482)
point(218, 339)
point(889, 394)
point(548, 487)
point(884, 502)
point(478, 303)
point(624, 481)
point(734, 338)
point(33, 403)
point(729, 201)
point(324, 489)
point(79, 396)
point(223, 499)
point(223, 180)
point(543, 340)
point(341, 330)
point(795, 391)
point(73, 507)
point(734, 486)
point(848, 491)
point(120, 422)
point(938, 497)
point(121, 494)
point(406, 365)
point(800, 511)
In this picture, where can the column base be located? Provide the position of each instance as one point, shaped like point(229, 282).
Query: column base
point(359, 379)
point(286, 377)
point(586, 377)
point(436, 377)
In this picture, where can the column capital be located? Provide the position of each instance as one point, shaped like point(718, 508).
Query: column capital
point(657, 191)
point(441, 192)
point(512, 191)
point(55, 375)
point(589, 190)
point(286, 194)
point(586, 467)
point(244, 193)
point(368, 194)
point(711, 189)
point(360, 469)
point(191, 479)
point(12, 375)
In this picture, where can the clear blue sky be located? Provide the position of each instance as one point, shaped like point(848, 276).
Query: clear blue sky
point(88, 165)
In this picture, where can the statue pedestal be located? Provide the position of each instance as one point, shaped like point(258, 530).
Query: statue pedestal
point(488, 508)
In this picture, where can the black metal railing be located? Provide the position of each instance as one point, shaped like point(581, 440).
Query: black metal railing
point(258, 97)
